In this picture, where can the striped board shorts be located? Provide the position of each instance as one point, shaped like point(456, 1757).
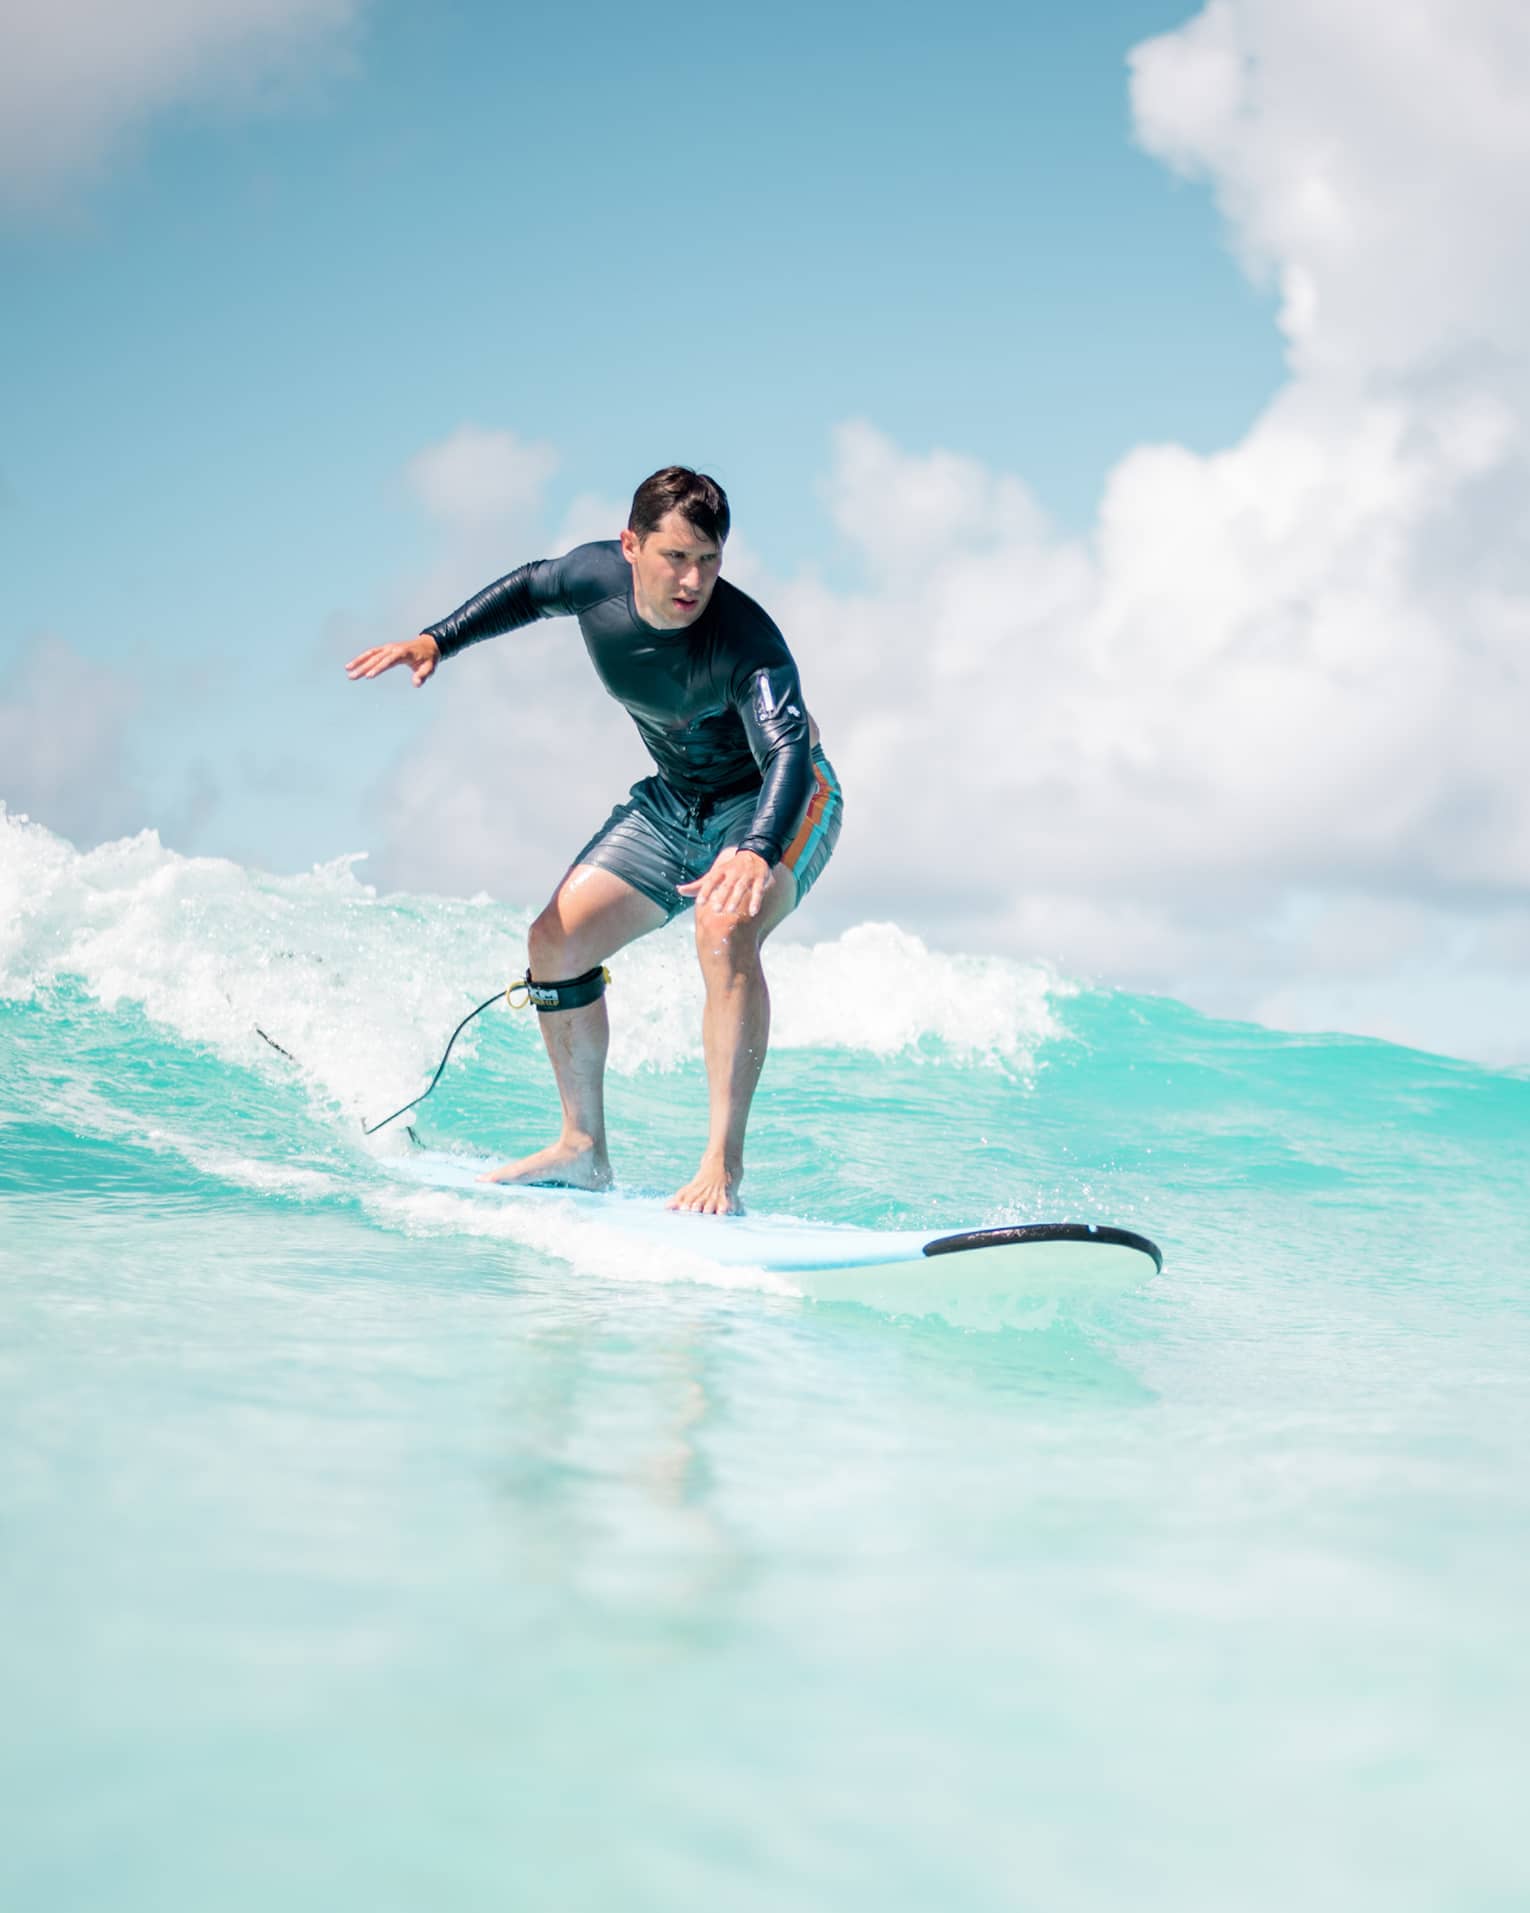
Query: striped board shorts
point(656, 841)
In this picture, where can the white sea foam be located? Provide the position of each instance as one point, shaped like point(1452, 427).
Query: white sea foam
point(249, 1172)
point(362, 989)
point(587, 1246)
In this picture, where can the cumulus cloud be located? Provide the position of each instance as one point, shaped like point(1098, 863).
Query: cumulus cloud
point(64, 744)
point(478, 478)
point(1249, 674)
point(521, 761)
point(520, 756)
point(1257, 739)
point(1376, 162)
point(80, 74)
point(74, 755)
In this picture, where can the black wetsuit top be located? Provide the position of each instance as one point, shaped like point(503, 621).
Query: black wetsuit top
point(718, 703)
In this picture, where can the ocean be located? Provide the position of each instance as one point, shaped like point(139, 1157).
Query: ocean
point(366, 1544)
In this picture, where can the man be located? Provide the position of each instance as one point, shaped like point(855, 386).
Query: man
point(740, 820)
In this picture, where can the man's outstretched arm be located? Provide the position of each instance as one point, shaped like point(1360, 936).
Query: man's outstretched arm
point(537, 590)
point(502, 606)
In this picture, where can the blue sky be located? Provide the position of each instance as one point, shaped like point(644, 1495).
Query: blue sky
point(1125, 409)
point(632, 243)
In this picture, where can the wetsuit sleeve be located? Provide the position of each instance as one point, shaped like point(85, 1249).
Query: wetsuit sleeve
point(538, 590)
point(775, 722)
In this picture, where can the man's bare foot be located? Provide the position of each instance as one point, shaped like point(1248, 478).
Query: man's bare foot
point(574, 1161)
point(712, 1191)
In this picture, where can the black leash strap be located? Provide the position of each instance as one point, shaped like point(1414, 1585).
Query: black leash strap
point(371, 1129)
point(570, 994)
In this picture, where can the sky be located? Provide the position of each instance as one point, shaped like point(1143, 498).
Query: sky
point(1125, 413)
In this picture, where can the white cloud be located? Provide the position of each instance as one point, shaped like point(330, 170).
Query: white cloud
point(74, 754)
point(521, 762)
point(64, 758)
point(77, 75)
point(521, 756)
point(1375, 159)
point(478, 478)
point(1258, 740)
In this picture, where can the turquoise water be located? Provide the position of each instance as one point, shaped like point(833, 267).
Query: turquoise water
point(371, 1545)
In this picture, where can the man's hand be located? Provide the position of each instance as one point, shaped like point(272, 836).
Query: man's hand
point(421, 654)
point(735, 886)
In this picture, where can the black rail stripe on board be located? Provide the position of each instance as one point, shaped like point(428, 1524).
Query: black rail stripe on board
point(1045, 1232)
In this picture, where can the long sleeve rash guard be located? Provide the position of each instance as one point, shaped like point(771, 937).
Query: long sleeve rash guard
point(718, 704)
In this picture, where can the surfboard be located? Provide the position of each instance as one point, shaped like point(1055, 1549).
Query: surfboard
point(976, 1276)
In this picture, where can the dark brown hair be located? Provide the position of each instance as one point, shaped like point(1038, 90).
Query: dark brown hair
point(697, 498)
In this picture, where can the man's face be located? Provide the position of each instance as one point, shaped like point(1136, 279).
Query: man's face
point(674, 571)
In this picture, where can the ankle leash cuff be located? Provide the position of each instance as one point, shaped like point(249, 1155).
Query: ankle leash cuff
point(571, 994)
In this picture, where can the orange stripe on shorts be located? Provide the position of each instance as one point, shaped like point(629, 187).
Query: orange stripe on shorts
point(817, 804)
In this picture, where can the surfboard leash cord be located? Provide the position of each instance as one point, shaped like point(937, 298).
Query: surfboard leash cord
point(371, 1129)
point(570, 994)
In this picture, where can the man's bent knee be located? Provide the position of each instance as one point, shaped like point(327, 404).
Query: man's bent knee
point(728, 937)
point(730, 930)
point(547, 943)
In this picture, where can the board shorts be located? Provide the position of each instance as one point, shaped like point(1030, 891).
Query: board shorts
point(659, 840)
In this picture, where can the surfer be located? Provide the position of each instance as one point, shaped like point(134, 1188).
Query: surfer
point(739, 821)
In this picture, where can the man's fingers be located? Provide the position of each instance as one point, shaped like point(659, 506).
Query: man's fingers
point(754, 895)
point(705, 888)
point(370, 663)
point(383, 657)
point(729, 892)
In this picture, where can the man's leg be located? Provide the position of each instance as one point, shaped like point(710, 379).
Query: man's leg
point(735, 1031)
point(593, 914)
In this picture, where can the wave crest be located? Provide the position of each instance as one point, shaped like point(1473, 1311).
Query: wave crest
point(362, 989)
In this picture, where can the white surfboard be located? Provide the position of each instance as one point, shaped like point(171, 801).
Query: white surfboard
point(974, 1277)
